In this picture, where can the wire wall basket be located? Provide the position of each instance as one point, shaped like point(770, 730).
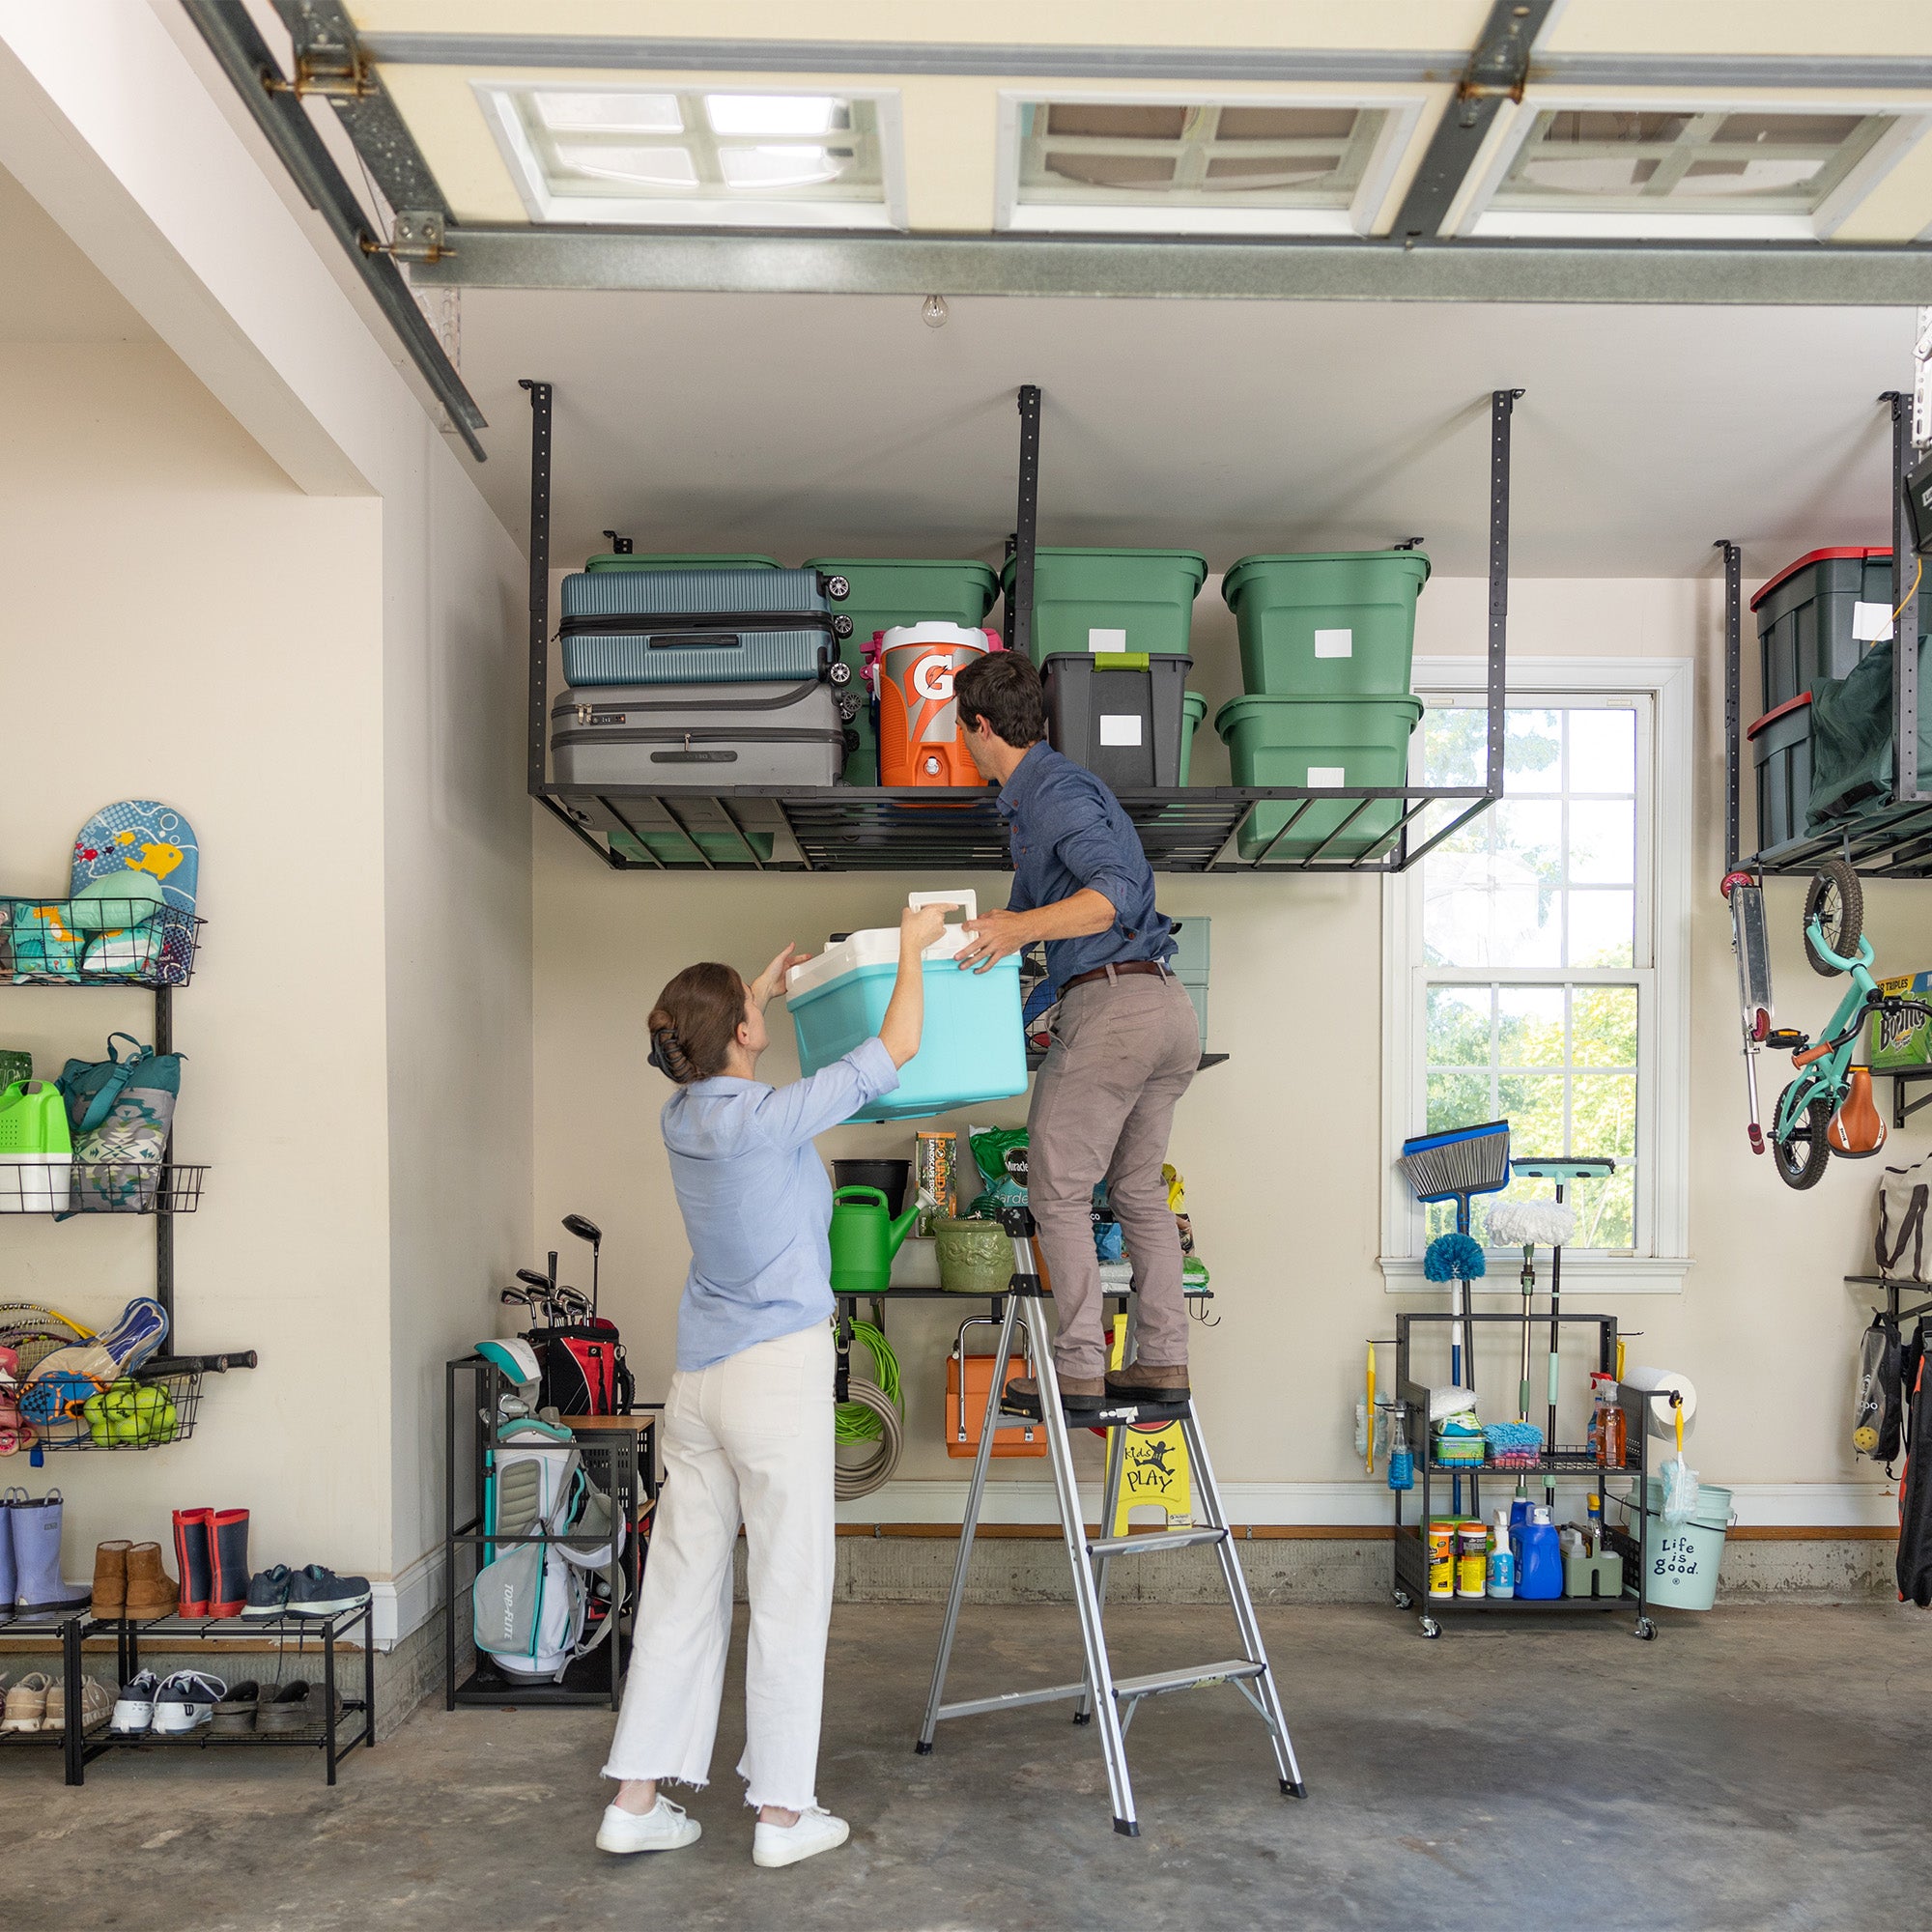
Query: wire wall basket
point(158, 1404)
point(63, 1187)
point(97, 942)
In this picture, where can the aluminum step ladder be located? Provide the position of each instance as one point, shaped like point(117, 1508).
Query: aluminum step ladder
point(1113, 1700)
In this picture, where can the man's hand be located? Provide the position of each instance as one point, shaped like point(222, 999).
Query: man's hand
point(772, 979)
point(994, 935)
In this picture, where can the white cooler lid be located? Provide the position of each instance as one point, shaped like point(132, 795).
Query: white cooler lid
point(879, 945)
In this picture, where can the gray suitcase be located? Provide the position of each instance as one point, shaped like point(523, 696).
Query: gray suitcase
point(714, 735)
point(696, 626)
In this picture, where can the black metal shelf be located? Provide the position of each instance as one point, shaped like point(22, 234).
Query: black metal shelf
point(158, 950)
point(89, 1186)
point(840, 828)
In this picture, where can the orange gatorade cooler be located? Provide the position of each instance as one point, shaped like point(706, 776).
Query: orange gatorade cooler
point(920, 741)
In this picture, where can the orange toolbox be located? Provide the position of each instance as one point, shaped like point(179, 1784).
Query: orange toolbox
point(962, 1429)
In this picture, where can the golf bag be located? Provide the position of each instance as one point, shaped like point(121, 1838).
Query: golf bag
point(530, 1607)
point(584, 1369)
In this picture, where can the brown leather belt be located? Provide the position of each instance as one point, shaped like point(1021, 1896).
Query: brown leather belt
point(1119, 966)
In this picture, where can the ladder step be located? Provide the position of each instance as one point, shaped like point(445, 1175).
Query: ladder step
point(1158, 1681)
point(1152, 1540)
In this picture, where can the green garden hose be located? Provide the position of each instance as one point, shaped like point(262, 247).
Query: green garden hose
point(858, 1422)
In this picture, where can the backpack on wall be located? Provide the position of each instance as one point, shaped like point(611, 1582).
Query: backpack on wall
point(530, 1607)
point(1879, 1403)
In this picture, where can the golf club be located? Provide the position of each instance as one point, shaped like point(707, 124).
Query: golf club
point(587, 1230)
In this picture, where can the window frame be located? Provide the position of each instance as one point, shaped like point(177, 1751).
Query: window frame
point(1472, 216)
point(497, 100)
point(1663, 810)
point(1403, 112)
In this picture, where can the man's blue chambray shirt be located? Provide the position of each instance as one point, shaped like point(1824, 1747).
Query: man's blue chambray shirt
point(1068, 831)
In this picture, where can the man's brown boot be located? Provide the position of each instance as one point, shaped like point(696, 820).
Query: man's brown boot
point(1148, 1382)
point(1077, 1395)
point(110, 1578)
point(150, 1591)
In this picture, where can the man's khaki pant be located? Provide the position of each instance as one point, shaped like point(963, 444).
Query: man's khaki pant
point(1122, 1053)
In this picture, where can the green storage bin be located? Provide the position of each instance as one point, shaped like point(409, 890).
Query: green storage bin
point(1780, 743)
point(629, 560)
point(1328, 623)
point(1193, 714)
point(1805, 618)
point(884, 591)
point(1111, 600)
point(1320, 742)
point(673, 849)
point(1189, 965)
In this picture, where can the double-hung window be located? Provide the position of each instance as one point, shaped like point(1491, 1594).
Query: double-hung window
point(1536, 960)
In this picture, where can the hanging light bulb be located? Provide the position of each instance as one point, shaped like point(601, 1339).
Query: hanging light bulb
point(935, 312)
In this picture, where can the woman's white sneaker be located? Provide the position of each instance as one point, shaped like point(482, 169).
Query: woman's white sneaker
point(817, 1831)
point(664, 1828)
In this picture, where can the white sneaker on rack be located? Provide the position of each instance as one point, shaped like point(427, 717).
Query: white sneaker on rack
point(186, 1701)
point(817, 1831)
point(664, 1828)
point(134, 1709)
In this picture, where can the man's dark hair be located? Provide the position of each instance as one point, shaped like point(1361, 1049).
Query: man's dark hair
point(1004, 689)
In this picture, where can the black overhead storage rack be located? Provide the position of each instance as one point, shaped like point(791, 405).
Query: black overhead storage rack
point(1892, 838)
point(845, 828)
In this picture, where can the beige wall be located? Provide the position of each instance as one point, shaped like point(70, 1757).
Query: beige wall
point(1283, 1147)
point(329, 687)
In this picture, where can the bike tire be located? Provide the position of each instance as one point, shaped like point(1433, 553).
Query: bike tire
point(1836, 900)
point(1800, 1161)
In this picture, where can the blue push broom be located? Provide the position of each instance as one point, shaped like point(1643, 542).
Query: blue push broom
point(1453, 1166)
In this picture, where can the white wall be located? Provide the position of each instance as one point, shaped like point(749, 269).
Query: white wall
point(1282, 1147)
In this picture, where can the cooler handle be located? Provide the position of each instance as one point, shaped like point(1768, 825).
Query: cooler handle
point(967, 896)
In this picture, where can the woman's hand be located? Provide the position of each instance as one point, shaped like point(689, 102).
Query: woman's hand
point(921, 926)
point(772, 979)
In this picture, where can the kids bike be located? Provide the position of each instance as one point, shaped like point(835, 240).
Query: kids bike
point(1828, 1109)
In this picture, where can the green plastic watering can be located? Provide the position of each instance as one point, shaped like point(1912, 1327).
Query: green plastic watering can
point(865, 1238)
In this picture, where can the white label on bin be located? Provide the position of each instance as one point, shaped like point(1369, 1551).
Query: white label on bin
point(1872, 623)
point(1334, 644)
point(1106, 641)
point(1119, 728)
point(1327, 774)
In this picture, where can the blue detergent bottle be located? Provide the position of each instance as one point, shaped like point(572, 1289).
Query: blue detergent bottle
point(1539, 1556)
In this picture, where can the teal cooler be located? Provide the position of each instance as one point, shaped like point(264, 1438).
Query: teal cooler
point(883, 592)
point(972, 1047)
point(1111, 600)
point(1329, 623)
point(1346, 744)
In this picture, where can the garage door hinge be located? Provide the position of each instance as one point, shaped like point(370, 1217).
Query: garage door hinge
point(418, 238)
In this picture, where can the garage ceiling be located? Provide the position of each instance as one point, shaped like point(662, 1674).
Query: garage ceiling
point(819, 425)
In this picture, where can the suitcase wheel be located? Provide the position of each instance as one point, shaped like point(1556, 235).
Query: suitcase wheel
point(841, 626)
point(836, 586)
point(839, 671)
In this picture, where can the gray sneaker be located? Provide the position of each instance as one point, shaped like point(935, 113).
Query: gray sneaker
point(268, 1593)
point(316, 1592)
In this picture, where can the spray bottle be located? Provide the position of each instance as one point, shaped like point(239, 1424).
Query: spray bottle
point(1500, 1581)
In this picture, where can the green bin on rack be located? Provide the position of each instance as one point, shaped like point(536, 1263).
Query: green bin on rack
point(630, 560)
point(1328, 623)
point(1193, 714)
point(1320, 742)
point(1111, 600)
point(885, 591)
point(673, 849)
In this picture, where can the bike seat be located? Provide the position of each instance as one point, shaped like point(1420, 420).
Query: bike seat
point(1857, 1130)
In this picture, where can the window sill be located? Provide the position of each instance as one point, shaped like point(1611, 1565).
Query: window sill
point(1599, 1274)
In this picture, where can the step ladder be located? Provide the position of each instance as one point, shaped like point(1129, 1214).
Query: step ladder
point(1099, 1694)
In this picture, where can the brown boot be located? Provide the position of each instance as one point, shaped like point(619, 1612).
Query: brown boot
point(1077, 1395)
point(1148, 1382)
point(110, 1578)
point(150, 1591)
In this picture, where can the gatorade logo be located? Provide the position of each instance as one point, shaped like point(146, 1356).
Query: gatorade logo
point(932, 678)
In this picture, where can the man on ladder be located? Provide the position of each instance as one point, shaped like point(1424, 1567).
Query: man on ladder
point(1124, 1051)
point(1125, 1046)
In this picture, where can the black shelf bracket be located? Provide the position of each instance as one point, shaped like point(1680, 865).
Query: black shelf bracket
point(1733, 694)
point(1905, 788)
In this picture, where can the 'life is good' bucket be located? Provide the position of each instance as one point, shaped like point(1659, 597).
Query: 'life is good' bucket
point(1681, 1559)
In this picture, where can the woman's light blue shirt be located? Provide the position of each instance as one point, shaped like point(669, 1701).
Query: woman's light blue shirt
point(757, 1203)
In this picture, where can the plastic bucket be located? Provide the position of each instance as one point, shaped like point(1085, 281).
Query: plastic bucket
point(1193, 715)
point(1111, 600)
point(1329, 623)
point(889, 1177)
point(920, 743)
point(1681, 1559)
point(883, 593)
point(1321, 743)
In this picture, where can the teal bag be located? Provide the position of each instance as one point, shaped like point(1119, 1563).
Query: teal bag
point(122, 1111)
point(91, 1087)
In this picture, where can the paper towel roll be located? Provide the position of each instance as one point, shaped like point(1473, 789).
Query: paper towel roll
point(1659, 1420)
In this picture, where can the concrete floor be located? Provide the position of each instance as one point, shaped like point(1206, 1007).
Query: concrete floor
point(1752, 1768)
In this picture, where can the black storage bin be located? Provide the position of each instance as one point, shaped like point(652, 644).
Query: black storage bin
point(1118, 713)
point(1805, 618)
point(1781, 746)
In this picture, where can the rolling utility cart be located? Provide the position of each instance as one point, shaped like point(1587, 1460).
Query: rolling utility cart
point(620, 1459)
point(1410, 1584)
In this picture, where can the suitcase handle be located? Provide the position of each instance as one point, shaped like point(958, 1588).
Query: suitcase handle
point(648, 624)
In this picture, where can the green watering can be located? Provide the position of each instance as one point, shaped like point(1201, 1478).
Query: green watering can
point(865, 1238)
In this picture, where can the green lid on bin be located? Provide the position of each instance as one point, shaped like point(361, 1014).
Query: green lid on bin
point(1193, 559)
point(639, 561)
point(1411, 561)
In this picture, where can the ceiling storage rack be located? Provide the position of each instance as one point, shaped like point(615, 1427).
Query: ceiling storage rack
point(842, 828)
point(1890, 838)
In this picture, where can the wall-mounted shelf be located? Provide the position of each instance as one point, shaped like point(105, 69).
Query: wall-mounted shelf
point(844, 828)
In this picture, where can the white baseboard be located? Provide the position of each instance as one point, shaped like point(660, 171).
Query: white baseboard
point(1345, 1504)
point(406, 1601)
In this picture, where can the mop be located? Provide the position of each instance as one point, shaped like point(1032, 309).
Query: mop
point(1453, 1166)
point(1519, 1444)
